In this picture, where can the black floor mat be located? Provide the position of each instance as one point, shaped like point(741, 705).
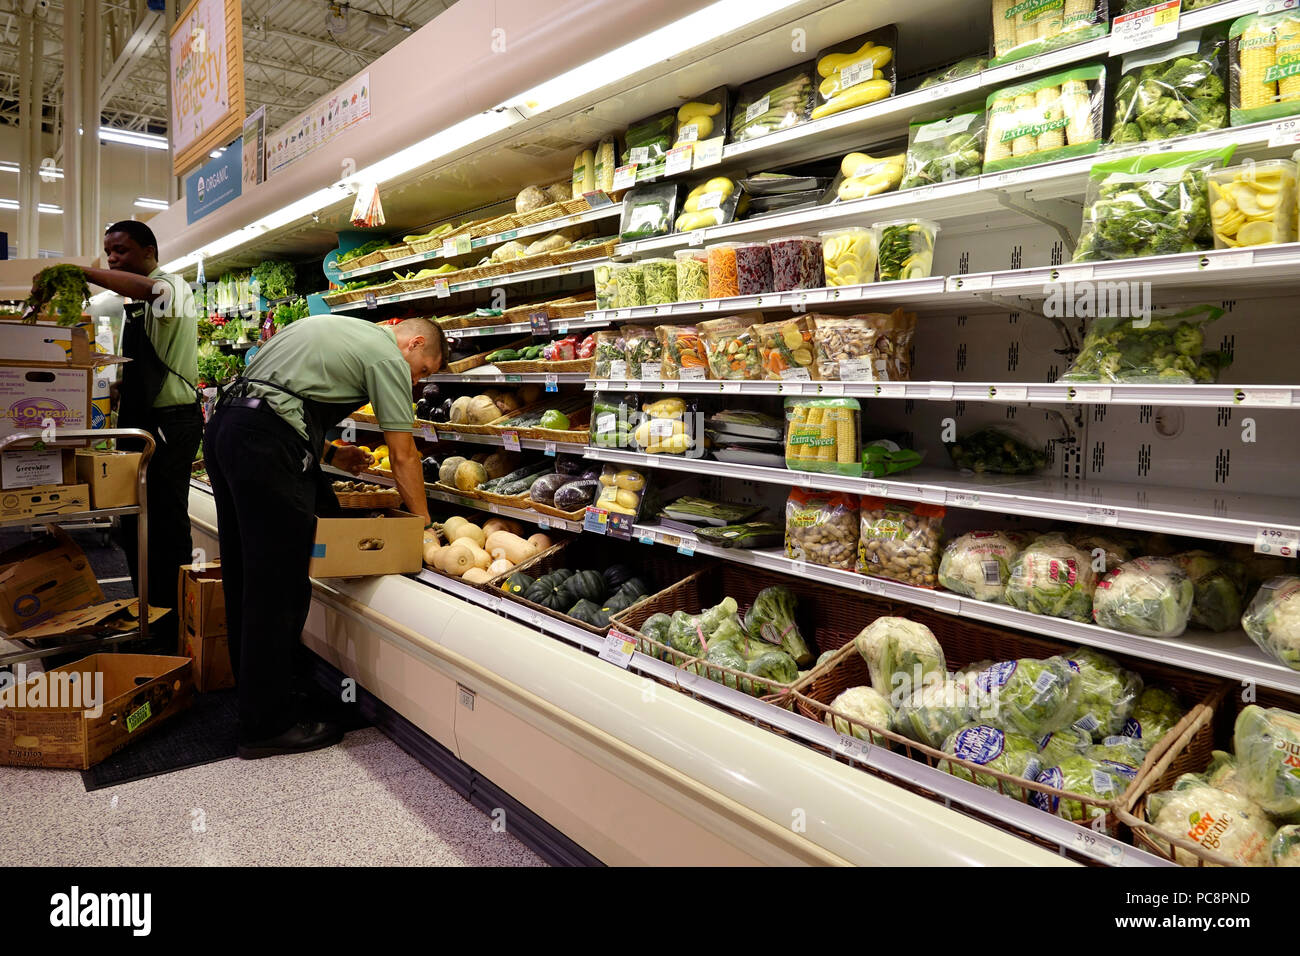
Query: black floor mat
point(204, 733)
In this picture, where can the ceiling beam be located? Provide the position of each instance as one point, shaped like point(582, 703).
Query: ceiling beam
point(136, 49)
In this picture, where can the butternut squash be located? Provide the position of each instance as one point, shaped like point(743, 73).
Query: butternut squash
point(432, 551)
point(468, 530)
point(457, 558)
point(476, 576)
point(540, 541)
point(501, 524)
point(504, 544)
point(481, 558)
point(499, 566)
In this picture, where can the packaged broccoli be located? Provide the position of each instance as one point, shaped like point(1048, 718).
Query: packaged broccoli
point(1264, 53)
point(958, 71)
point(1155, 204)
point(866, 706)
point(1008, 753)
point(1024, 29)
point(1267, 745)
point(1273, 619)
point(1087, 777)
point(978, 565)
point(1162, 349)
point(1107, 694)
point(901, 656)
point(1172, 90)
point(946, 148)
point(1045, 119)
point(1157, 711)
point(1218, 589)
point(1054, 578)
point(1147, 596)
point(1221, 822)
point(1029, 696)
point(934, 712)
point(996, 451)
point(1284, 850)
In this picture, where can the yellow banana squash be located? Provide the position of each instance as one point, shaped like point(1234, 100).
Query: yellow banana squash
point(860, 95)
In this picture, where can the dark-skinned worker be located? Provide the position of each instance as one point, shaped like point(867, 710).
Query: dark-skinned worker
point(263, 449)
point(157, 394)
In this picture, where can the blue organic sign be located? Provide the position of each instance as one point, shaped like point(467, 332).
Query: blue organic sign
point(214, 184)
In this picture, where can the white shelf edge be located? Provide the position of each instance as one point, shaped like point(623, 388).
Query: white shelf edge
point(560, 327)
point(536, 444)
point(469, 378)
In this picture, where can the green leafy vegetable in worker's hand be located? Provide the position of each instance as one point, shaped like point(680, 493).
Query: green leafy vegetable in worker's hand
point(63, 289)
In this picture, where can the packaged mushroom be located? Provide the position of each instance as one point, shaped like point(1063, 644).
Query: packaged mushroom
point(821, 527)
point(900, 541)
point(863, 348)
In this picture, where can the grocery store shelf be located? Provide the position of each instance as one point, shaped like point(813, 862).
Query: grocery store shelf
point(496, 238)
point(430, 433)
point(594, 320)
point(511, 278)
point(1247, 396)
point(477, 375)
point(1181, 511)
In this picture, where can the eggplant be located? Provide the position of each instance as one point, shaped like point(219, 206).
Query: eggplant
point(576, 494)
point(571, 465)
point(544, 489)
point(429, 465)
point(431, 391)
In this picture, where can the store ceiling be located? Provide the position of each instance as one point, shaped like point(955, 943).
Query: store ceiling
point(295, 51)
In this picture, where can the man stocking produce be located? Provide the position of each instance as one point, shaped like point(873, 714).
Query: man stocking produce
point(263, 450)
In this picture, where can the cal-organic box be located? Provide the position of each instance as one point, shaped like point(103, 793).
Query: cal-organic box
point(49, 501)
point(57, 719)
point(42, 577)
point(28, 468)
point(359, 547)
point(203, 602)
point(43, 342)
point(111, 475)
point(211, 656)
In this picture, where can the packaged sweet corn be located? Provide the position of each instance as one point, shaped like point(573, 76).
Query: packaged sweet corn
point(1264, 52)
point(1044, 119)
point(1024, 28)
point(821, 434)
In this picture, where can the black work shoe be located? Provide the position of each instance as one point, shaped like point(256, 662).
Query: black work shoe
point(302, 737)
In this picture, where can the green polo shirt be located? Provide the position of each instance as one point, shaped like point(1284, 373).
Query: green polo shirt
point(172, 324)
point(336, 359)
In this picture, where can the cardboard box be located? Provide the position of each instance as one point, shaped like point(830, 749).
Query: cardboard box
point(47, 502)
point(111, 475)
point(203, 602)
point(40, 578)
point(344, 549)
point(32, 394)
point(113, 701)
point(43, 342)
point(37, 469)
point(111, 617)
point(211, 655)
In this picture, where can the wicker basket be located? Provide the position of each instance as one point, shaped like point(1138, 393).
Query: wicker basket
point(552, 512)
point(521, 502)
point(589, 552)
point(1191, 753)
point(490, 227)
point(570, 310)
point(416, 285)
point(540, 260)
point(574, 206)
point(534, 365)
point(366, 261)
point(965, 642)
point(396, 252)
point(369, 499)
point(422, 246)
point(583, 253)
point(354, 295)
point(453, 490)
point(477, 361)
point(336, 298)
point(551, 211)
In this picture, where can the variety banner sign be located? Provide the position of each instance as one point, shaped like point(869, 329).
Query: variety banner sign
point(207, 79)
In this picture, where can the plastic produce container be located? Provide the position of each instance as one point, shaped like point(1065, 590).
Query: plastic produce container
point(796, 263)
point(692, 275)
point(1253, 204)
point(606, 287)
point(630, 280)
point(659, 277)
point(753, 268)
point(722, 270)
point(905, 248)
point(849, 255)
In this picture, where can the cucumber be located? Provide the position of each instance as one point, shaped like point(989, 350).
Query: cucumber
point(503, 355)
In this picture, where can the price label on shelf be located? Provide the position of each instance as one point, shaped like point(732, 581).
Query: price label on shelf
point(624, 177)
point(646, 539)
point(972, 283)
point(494, 508)
point(1021, 67)
point(1098, 515)
point(441, 289)
point(463, 245)
point(1277, 6)
point(428, 434)
point(595, 521)
point(891, 390)
point(540, 323)
point(1262, 396)
point(1010, 393)
point(597, 198)
point(549, 450)
point(1073, 394)
point(874, 586)
point(678, 160)
point(941, 390)
point(1284, 133)
point(708, 152)
point(552, 383)
point(510, 440)
point(686, 545)
point(1143, 28)
point(1096, 847)
point(877, 489)
point(695, 237)
point(962, 499)
point(617, 649)
point(371, 302)
point(1227, 260)
point(799, 566)
point(832, 388)
point(853, 747)
point(449, 248)
point(1283, 542)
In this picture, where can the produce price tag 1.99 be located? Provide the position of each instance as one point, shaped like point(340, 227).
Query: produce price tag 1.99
point(1284, 542)
point(708, 152)
point(1143, 28)
point(624, 177)
point(617, 649)
point(687, 545)
point(679, 160)
point(510, 440)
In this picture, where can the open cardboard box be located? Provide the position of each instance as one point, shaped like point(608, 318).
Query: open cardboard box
point(346, 547)
point(43, 577)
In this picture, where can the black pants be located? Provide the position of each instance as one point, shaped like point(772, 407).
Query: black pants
point(266, 516)
point(177, 431)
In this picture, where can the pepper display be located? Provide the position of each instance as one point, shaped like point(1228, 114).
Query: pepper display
point(796, 263)
point(906, 248)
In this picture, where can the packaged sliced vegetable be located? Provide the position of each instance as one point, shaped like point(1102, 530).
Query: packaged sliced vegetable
point(643, 351)
point(1264, 53)
point(660, 278)
point(856, 72)
point(785, 350)
point(1045, 119)
point(1253, 204)
point(822, 435)
point(622, 490)
point(647, 142)
point(750, 535)
point(900, 540)
point(978, 565)
point(849, 256)
point(822, 528)
point(796, 263)
point(669, 426)
point(997, 450)
point(1151, 205)
point(613, 416)
point(611, 356)
point(703, 511)
point(703, 117)
point(731, 347)
point(709, 203)
point(629, 279)
point(606, 286)
point(946, 148)
point(863, 348)
point(1025, 28)
point(905, 248)
point(774, 102)
point(1169, 347)
point(1272, 620)
point(1147, 596)
point(747, 423)
point(683, 353)
point(1172, 90)
point(723, 280)
point(753, 268)
point(692, 274)
point(648, 211)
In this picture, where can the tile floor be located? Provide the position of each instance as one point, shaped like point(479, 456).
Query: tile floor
point(363, 802)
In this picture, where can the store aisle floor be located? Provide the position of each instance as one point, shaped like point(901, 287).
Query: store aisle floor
point(362, 802)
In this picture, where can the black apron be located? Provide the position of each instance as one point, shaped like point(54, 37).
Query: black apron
point(144, 376)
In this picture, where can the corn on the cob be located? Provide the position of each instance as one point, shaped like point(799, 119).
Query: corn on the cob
point(1048, 103)
point(1004, 29)
point(1079, 14)
point(1024, 116)
point(1026, 30)
point(1077, 106)
point(1288, 53)
point(830, 428)
point(1257, 51)
point(1001, 114)
point(798, 417)
point(1047, 23)
point(845, 441)
point(813, 429)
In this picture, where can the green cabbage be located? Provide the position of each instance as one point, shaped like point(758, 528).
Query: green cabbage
point(901, 655)
point(1267, 745)
point(1053, 577)
point(1029, 696)
point(978, 565)
point(1107, 694)
point(992, 747)
point(1218, 589)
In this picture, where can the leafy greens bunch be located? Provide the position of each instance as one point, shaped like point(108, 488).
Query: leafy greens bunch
point(61, 287)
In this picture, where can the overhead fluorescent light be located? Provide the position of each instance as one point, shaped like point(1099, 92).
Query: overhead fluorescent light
point(128, 137)
point(158, 204)
point(694, 30)
point(52, 172)
point(45, 207)
point(446, 141)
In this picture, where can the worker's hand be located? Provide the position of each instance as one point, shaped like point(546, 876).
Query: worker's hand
point(351, 459)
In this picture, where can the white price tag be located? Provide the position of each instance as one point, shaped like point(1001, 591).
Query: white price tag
point(1277, 6)
point(708, 152)
point(428, 434)
point(688, 133)
point(617, 649)
point(1091, 845)
point(877, 489)
point(544, 523)
point(624, 177)
point(687, 545)
point(832, 388)
point(1021, 67)
point(549, 451)
point(670, 385)
point(853, 747)
point(1284, 542)
point(1262, 396)
point(510, 440)
point(756, 109)
point(441, 289)
point(1143, 28)
point(552, 383)
point(1107, 516)
point(1010, 393)
point(449, 248)
point(679, 160)
point(799, 566)
point(494, 508)
point(874, 586)
point(962, 499)
point(1284, 133)
point(1087, 394)
point(1227, 260)
point(646, 539)
point(695, 237)
point(639, 155)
